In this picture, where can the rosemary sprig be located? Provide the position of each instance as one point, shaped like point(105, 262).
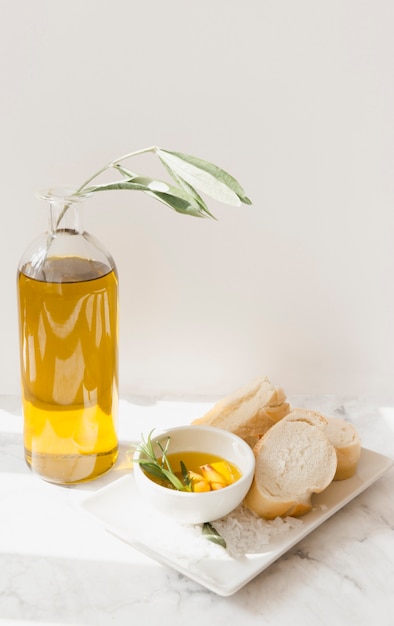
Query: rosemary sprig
point(160, 468)
point(186, 477)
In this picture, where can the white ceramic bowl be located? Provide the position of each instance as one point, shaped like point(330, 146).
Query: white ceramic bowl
point(195, 508)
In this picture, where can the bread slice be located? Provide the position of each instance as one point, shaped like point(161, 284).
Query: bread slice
point(294, 459)
point(346, 441)
point(250, 411)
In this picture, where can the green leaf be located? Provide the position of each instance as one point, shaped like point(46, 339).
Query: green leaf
point(178, 484)
point(177, 204)
point(150, 468)
point(172, 197)
point(185, 192)
point(186, 476)
point(205, 177)
point(188, 189)
point(120, 184)
point(212, 534)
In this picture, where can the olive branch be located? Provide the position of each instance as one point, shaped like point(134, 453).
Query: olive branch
point(192, 176)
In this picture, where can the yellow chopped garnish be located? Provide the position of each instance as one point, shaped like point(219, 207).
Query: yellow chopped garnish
point(217, 486)
point(199, 483)
point(213, 476)
point(226, 470)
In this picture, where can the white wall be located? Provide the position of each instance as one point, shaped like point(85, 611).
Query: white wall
point(295, 99)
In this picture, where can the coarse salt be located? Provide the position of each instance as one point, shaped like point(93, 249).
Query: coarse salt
point(243, 531)
point(246, 533)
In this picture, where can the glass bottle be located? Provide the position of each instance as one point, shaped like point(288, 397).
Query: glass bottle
point(68, 326)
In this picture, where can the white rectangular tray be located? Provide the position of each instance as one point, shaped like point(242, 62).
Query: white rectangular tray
point(122, 511)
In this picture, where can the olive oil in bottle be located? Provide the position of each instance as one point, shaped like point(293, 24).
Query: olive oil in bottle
point(68, 322)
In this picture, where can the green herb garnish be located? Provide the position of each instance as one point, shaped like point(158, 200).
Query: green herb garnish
point(212, 534)
point(186, 477)
point(160, 467)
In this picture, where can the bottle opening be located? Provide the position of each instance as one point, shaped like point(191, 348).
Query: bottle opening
point(64, 192)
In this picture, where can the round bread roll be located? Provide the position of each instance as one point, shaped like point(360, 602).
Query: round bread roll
point(294, 459)
point(346, 441)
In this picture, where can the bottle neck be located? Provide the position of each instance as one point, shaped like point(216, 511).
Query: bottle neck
point(65, 210)
point(65, 239)
point(64, 216)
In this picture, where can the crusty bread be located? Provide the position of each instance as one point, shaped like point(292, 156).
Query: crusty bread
point(250, 411)
point(346, 441)
point(294, 459)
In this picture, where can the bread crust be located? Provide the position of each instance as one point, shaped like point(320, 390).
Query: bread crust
point(249, 412)
point(346, 441)
point(269, 507)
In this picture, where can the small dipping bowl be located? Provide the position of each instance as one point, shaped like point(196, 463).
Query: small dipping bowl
point(191, 507)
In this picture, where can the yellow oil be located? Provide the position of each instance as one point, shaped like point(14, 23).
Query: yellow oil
point(193, 461)
point(69, 370)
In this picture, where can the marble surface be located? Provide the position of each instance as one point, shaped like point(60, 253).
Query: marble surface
point(58, 567)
